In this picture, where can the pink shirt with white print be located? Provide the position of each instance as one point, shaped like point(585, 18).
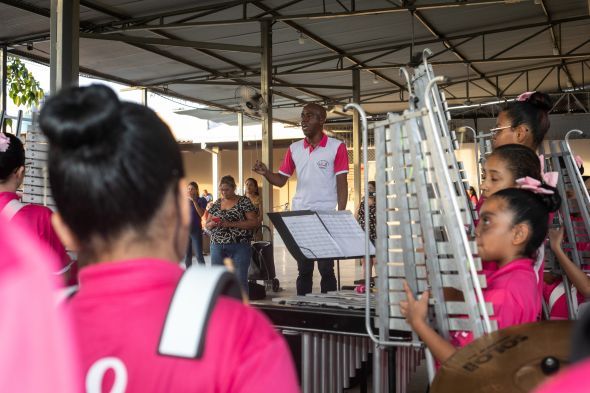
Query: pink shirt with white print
point(317, 169)
point(119, 313)
point(514, 294)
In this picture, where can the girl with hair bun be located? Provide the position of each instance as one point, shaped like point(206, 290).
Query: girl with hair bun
point(524, 121)
point(36, 218)
point(117, 178)
point(512, 226)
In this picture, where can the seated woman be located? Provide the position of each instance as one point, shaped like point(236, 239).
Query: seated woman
point(231, 220)
point(117, 178)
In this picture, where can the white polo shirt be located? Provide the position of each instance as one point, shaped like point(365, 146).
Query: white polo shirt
point(316, 172)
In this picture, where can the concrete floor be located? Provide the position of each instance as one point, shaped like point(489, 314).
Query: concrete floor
point(350, 270)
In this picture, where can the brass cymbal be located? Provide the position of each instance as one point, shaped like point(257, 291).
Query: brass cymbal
point(515, 359)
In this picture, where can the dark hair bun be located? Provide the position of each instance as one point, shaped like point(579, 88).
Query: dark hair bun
point(541, 101)
point(551, 201)
point(81, 117)
point(13, 157)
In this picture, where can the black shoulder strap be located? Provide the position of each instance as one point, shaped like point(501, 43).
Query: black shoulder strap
point(193, 302)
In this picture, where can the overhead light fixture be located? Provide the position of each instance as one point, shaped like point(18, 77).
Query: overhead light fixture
point(375, 80)
point(301, 39)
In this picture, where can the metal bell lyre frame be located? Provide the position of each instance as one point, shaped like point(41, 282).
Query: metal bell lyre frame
point(487, 328)
point(578, 174)
point(375, 339)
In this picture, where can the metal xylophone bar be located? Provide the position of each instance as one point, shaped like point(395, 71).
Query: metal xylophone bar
point(395, 265)
point(452, 209)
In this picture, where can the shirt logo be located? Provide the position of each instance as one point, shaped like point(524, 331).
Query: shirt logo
point(322, 164)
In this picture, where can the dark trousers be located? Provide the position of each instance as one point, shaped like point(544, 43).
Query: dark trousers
point(195, 244)
point(305, 277)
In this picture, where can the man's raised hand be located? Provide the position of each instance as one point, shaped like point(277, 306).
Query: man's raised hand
point(260, 168)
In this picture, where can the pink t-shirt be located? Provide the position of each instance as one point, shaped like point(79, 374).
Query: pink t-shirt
point(37, 219)
point(514, 294)
point(571, 380)
point(37, 353)
point(119, 313)
point(558, 307)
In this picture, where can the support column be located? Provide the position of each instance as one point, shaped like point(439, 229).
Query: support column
point(144, 96)
point(4, 94)
point(356, 138)
point(266, 91)
point(64, 44)
point(215, 172)
point(241, 153)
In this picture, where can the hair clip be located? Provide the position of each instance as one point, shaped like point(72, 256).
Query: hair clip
point(525, 96)
point(4, 142)
point(535, 186)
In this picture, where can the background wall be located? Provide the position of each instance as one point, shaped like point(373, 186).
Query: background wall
point(198, 167)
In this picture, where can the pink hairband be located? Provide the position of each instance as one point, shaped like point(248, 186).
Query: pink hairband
point(534, 185)
point(525, 96)
point(4, 142)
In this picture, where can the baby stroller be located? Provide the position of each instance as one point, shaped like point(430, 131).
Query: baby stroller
point(262, 265)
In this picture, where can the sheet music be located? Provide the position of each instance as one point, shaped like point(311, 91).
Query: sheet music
point(347, 232)
point(311, 236)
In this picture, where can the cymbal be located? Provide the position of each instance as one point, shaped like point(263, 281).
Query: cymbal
point(515, 359)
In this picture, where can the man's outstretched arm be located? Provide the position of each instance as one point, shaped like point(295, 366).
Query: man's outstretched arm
point(342, 190)
point(276, 179)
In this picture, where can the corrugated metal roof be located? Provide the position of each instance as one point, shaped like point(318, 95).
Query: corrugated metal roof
point(459, 33)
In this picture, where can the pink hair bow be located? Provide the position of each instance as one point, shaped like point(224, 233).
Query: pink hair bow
point(4, 142)
point(525, 96)
point(549, 178)
point(534, 185)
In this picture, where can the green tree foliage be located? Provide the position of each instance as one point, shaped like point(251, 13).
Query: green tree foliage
point(24, 89)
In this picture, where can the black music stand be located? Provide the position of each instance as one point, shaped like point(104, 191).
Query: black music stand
point(322, 235)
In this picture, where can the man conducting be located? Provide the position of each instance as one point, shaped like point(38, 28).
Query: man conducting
point(322, 166)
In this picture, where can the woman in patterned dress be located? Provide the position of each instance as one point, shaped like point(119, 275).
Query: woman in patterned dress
point(372, 220)
point(252, 192)
point(231, 220)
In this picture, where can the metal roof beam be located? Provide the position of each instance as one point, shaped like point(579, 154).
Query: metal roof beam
point(452, 48)
point(520, 42)
point(279, 17)
point(278, 8)
point(461, 81)
point(160, 15)
point(511, 83)
point(325, 44)
point(545, 77)
point(426, 42)
point(25, 6)
point(293, 85)
point(556, 46)
point(172, 42)
point(100, 75)
point(111, 11)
